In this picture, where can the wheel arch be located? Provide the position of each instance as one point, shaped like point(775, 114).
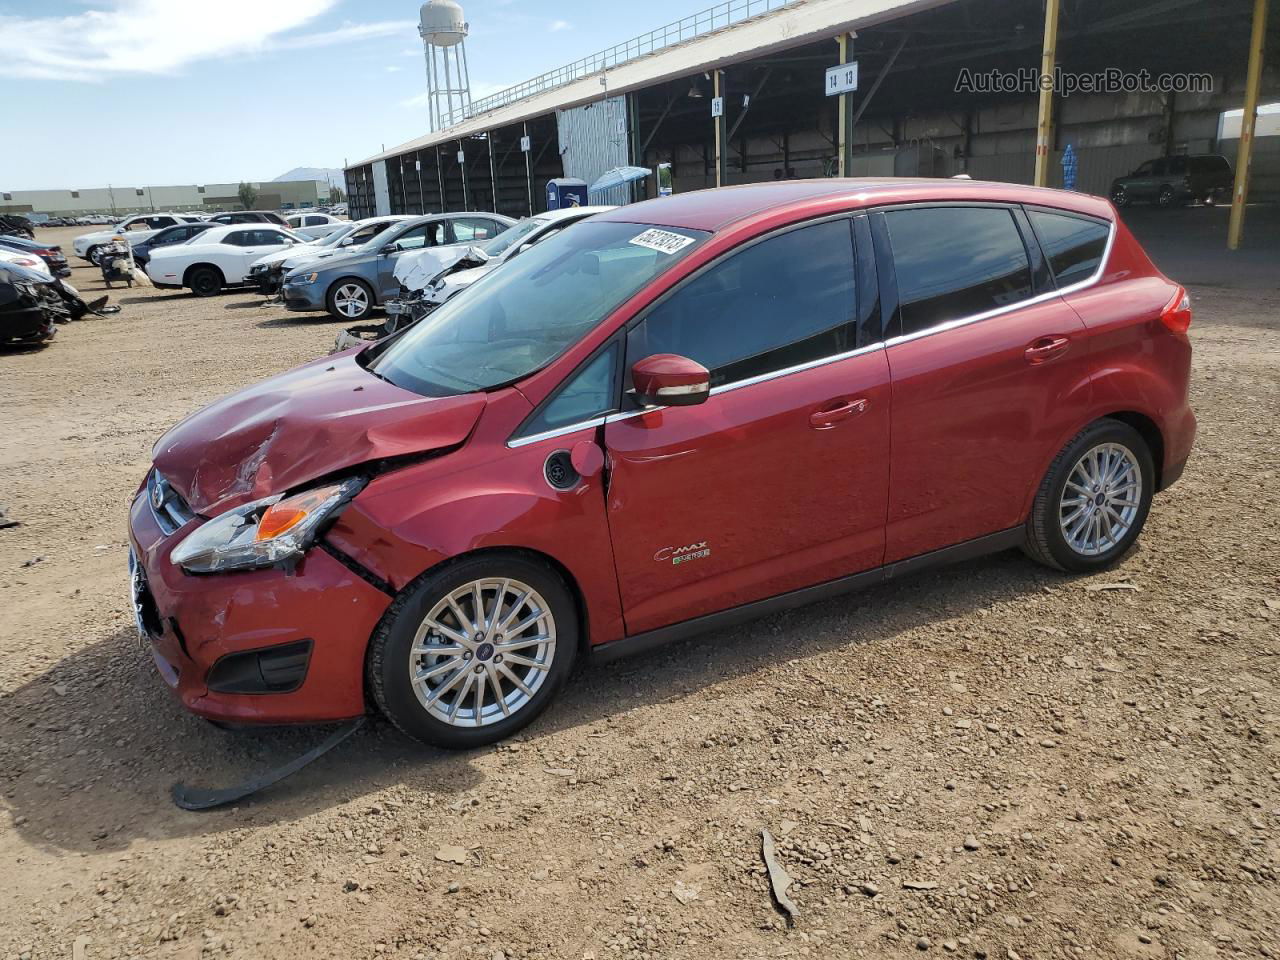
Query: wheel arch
point(1151, 434)
point(526, 553)
point(1147, 428)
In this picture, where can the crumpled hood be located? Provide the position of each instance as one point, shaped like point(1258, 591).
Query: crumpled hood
point(415, 269)
point(288, 253)
point(456, 282)
point(300, 425)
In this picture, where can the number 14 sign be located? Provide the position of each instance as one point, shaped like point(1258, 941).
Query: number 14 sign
point(842, 79)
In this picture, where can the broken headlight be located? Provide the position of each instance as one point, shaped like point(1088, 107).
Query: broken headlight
point(264, 532)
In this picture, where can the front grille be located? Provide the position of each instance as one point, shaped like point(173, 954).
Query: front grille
point(167, 506)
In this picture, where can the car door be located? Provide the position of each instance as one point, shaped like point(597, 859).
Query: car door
point(778, 480)
point(429, 234)
point(990, 369)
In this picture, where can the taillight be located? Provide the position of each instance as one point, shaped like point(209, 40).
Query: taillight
point(1177, 315)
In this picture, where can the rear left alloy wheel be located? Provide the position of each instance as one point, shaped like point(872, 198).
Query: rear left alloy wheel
point(473, 652)
point(1094, 500)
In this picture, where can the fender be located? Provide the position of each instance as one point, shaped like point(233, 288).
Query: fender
point(460, 504)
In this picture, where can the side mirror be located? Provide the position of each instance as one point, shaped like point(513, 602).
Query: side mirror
point(666, 379)
point(390, 248)
point(345, 242)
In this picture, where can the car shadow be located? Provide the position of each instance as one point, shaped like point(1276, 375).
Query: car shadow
point(299, 320)
point(91, 747)
point(158, 298)
point(251, 305)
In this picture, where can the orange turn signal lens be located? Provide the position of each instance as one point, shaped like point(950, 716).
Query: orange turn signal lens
point(284, 516)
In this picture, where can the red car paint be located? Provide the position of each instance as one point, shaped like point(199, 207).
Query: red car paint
point(845, 467)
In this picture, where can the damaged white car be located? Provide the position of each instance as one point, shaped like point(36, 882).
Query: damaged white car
point(433, 275)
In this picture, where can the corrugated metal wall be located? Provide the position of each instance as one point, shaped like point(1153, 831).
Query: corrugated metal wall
point(593, 140)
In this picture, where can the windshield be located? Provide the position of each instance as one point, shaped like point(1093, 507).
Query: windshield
point(512, 235)
point(520, 318)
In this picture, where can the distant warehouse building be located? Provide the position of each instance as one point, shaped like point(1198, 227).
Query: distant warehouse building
point(211, 197)
point(742, 93)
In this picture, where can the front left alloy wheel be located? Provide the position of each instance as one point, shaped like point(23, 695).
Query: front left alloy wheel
point(350, 299)
point(475, 651)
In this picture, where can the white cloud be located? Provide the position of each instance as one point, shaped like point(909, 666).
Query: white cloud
point(122, 37)
point(393, 69)
point(558, 25)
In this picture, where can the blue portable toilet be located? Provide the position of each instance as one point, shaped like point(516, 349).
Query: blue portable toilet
point(1069, 165)
point(566, 192)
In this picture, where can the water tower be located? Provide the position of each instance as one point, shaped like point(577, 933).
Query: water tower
point(444, 41)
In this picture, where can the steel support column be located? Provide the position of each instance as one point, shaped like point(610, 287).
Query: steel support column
point(1244, 152)
point(1044, 120)
point(493, 173)
point(462, 170)
point(528, 169)
point(722, 146)
point(844, 138)
point(444, 206)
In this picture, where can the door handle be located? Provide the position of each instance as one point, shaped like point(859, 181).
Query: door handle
point(841, 410)
point(1046, 348)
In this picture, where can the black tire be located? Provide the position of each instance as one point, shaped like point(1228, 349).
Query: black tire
point(1045, 541)
point(1165, 198)
point(339, 299)
point(92, 255)
point(205, 281)
point(389, 657)
point(1119, 196)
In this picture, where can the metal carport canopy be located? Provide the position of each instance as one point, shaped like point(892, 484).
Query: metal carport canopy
point(790, 26)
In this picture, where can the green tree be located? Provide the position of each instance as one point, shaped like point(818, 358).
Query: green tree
point(248, 195)
point(337, 194)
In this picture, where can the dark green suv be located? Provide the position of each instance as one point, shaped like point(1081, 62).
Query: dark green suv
point(1174, 181)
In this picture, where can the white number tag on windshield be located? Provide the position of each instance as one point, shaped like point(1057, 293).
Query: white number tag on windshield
point(662, 240)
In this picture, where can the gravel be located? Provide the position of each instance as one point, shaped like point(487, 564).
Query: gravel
point(1114, 789)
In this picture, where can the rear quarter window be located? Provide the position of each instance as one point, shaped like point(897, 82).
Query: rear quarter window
point(1073, 245)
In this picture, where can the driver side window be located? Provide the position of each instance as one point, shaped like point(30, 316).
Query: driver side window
point(786, 300)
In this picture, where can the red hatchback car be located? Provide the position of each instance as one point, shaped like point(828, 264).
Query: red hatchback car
point(671, 417)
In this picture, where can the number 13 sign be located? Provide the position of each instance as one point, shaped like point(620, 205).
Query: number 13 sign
point(842, 79)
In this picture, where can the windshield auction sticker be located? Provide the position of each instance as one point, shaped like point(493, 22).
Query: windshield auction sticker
point(662, 240)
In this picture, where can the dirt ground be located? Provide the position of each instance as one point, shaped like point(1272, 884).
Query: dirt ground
point(992, 760)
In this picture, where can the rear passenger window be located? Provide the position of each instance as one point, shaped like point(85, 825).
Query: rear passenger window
point(955, 262)
point(784, 301)
point(1073, 245)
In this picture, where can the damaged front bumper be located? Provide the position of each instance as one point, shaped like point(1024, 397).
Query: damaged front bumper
point(268, 646)
point(267, 280)
point(401, 314)
point(28, 314)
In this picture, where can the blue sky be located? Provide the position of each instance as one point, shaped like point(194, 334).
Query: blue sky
point(176, 91)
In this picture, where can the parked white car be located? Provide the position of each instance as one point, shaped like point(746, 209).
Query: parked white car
point(28, 260)
point(142, 226)
point(313, 225)
point(219, 257)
